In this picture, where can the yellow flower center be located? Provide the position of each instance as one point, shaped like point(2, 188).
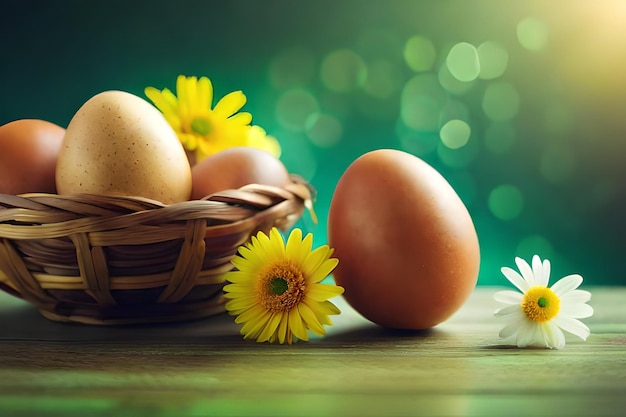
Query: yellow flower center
point(281, 286)
point(541, 304)
point(201, 126)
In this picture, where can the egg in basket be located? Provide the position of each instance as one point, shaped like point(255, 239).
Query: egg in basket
point(133, 229)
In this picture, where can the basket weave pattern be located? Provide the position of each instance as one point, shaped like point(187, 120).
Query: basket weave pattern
point(123, 260)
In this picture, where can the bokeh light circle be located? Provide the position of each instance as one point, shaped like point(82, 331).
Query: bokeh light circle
point(343, 71)
point(455, 133)
point(532, 34)
point(451, 84)
point(294, 107)
point(383, 79)
point(506, 202)
point(421, 102)
point(324, 130)
point(454, 109)
point(463, 62)
point(420, 53)
point(535, 245)
point(415, 142)
point(458, 158)
point(501, 101)
point(493, 59)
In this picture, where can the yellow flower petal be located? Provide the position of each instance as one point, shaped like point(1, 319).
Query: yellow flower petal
point(296, 325)
point(283, 329)
point(242, 118)
point(237, 289)
point(258, 138)
point(230, 104)
point(264, 247)
point(324, 270)
point(239, 304)
point(252, 329)
point(270, 327)
point(329, 308)
point(277, 249)
point(315, 259)
point(159, 100)
point(253, 314)
point(239, 277)
point(296, 249)
point(205, 93)
point(322, 292)
point(324, 319)
point(309, 317)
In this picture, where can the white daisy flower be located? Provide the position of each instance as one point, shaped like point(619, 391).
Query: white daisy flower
point(537, 314)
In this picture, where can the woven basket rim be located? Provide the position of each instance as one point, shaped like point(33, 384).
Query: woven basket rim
point(103, 249)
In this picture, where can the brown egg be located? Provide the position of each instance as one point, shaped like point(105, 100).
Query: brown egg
point(407, 247)
point(28, 155)
point(235, 167)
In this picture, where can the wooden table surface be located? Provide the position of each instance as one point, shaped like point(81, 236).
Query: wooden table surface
point(205, 368)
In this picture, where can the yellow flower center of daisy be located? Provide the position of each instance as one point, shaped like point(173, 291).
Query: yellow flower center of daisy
point(541, 304)
point(201, 126)
point(281, 286)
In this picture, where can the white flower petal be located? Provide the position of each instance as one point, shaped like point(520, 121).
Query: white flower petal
point(527, 334)
point(526, 271)
point(576, 296)
point(567, 284)
point(508, 310)
point(554, 337)
point(538, 271)
point(546, 272)
point(576, 310)
point(540, 337)
point(541, 271)
point(508, 297)
point(561, 341)
point(512, 328)
point(515, 278)
point(571, 325)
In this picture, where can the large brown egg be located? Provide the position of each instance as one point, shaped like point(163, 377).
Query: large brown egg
point(407, 247)
point(29, 149)
point(235, 167)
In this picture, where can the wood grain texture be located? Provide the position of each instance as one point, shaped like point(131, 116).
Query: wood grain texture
point(205, 368)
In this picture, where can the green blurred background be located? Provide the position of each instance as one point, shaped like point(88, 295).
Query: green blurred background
point(521, 105)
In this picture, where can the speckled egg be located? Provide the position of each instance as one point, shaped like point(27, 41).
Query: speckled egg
point(118, 143)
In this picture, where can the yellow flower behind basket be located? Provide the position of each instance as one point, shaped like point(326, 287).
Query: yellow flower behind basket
point(258, 138)
point(276, 292)
point(204, 129)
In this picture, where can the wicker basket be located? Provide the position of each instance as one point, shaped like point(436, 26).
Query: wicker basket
point(125, 260)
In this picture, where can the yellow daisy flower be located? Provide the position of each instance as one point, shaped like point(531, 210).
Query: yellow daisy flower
point(258, 138)
point(202, 129)
point(276, 293)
